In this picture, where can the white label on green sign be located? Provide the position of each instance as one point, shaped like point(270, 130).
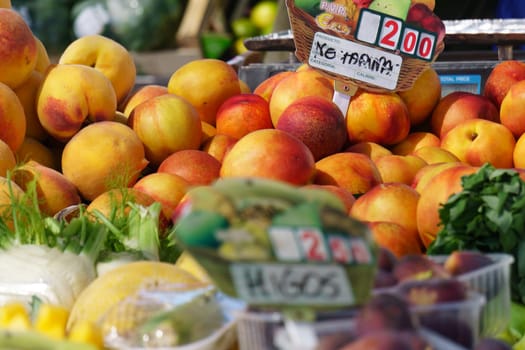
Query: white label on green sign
point(297, 284)
point(355, 61)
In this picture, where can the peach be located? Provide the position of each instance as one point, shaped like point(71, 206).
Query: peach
point(355, 172)
point(518, 155)
point(5, 4)
point(397, 168)
point(165, 188)
point(436, 192)
point(13, 124)
point(245, 88)
point(107, 56)
point(511, 109)
point(103, 156)
point(297, 85)
point(435, 154)
point(195, 166)
point(395, 237)
point(27, 94)
point(205, 83)
point(166, 124)
point(242, 114)
point(32, 149)
point(18, 52)
point(346, 196)
point(54, 191)
point(42, 62)
point(423, 96)
point(479, 141)
point(502, 76)
point(425, 174)
point(371, 149)
point(377, 117)
point(218, 145)
point(140, 95)
point(70, 96)
point(7, 159)
point(266, 87)
point(415, 140)
point(270, 153)
point(208, 131)
point(316, 121)
point(458, 106)
point(394, 202)
point(9, 191)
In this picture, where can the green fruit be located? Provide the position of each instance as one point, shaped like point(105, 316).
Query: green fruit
point(310, 6)
point(263, 13)
point(395, 8)
point(243, 27)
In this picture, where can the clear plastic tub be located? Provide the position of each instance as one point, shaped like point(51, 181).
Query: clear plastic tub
point(493, 281)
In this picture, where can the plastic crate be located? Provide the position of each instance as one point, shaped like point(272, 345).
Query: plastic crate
point(493, 281)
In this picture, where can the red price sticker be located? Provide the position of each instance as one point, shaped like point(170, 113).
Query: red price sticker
point(340, 249)
point(390, 33)
point(313, 244)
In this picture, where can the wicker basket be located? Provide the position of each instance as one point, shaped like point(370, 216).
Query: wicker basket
point(304, 27)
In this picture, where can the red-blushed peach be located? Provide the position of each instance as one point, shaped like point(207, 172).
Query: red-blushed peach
point(297, 85)
point(415, 140)
point(371, 149)
point(107, 56)
point(458, 106)
point(270, 153)
point(32, 149)
point(205, 83)
point(346, 196)
point(479, 141)
point(140, 95)
point(27, 94)
point(518, 155)
point(316, 121)
point(7, 159)
point(165, 188)
point(208, 131)
point(395, 237)
point(511, 110)
point(355, 172)
point(423, 96)
point(218, 145)
point(501, 77)
point(166, 124)
point(195, 166)
point(266, 87)
point(394, 202)
point(436, 193)
point(54, 191)
point(426, 173)
point(377, 117)
point(72, 95)
point(19, 51)
point(103, 156)
point(13, 123)
point(435, 154)
point(398, 168)
point(242, 114)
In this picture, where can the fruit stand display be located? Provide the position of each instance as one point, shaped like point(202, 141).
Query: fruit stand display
point(345, 201)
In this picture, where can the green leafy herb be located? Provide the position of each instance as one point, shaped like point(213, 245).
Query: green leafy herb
point(487, 215)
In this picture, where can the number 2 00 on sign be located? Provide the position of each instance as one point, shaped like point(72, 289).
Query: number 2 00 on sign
point(391, 33)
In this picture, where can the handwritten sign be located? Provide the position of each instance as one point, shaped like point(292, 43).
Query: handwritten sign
point(292, 284)
point(355, 61)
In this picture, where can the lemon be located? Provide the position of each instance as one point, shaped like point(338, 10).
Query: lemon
point(263, 14)
point(124, 281)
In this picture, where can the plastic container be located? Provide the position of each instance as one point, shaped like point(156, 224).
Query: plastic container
point(493, 281)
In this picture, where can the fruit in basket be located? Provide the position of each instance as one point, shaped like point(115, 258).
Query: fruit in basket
point(92, 174)
point(64, 107)
point(270, 153)
point(166, 124)
point(377, 117)
point(421, 15)
point(463, 261)
point(480, 141)
point(355, 172)
point(205, 84)
point(195, 166)
point(396, 8)
point(12, 118)
point(458, 106)
point(19, 50)
point(316, 121)
point(501, 77)
point(107, 56)
point(417, 267)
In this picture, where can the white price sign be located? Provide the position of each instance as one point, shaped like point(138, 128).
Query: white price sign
point(294, 284)
point(355, 61)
